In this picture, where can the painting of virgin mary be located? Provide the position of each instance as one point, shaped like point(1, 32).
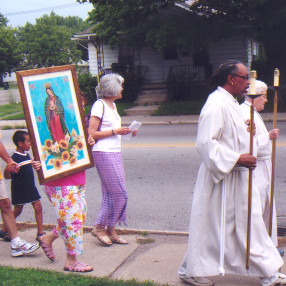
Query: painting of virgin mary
point(55, 115)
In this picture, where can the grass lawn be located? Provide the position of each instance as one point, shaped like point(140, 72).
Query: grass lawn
point(15, 111)
point(26, 276)
point(8, 109)
point(180, 107)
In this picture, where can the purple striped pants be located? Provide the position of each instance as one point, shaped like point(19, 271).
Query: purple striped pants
point(110, 169)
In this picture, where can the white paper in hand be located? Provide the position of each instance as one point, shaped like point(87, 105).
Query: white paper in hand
point(133, 126)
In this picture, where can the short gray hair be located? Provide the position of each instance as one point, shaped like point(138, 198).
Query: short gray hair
point(109, 85)
point(259, 85)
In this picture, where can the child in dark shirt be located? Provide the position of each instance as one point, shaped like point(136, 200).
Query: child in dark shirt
point(23, 188)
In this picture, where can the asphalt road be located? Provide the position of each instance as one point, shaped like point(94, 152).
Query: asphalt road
point(161, 166)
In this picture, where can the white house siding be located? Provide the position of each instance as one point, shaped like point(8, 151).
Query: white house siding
point(229, 49)
point(109, 56)
point(251, 51)
point(156, 69)
point(92, 59)
point(152, 60)
point(9, 77)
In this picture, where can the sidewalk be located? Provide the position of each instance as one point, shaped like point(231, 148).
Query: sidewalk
point(154, 120)
point(141, 259)
point(184, 119)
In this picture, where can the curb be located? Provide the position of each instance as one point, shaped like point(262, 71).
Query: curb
point(126, 122)
point(21, 226)
point(163, 123)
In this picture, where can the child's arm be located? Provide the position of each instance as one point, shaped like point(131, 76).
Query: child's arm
point(36, 164)
point(7, 174)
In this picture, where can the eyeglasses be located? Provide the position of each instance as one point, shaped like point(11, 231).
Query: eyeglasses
point(241, 76)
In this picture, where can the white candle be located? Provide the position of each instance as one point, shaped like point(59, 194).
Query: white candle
point(276, 77)
point(252, 76)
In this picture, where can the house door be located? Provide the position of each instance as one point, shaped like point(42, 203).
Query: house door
point(170, 58)
point(173, 56)
point(125, 56)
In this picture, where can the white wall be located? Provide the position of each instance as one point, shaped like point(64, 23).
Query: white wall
point(229, 49)
point(152, 60)
point(9, 77)
point(109, 56)
point(92, 59)
point(236, 48)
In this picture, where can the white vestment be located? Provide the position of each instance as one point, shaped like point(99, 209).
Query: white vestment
point(222, 137)
point(262, 173)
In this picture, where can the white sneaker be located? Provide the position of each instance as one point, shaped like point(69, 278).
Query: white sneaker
point(24, 247)
point(280, 281)
point(198, 281)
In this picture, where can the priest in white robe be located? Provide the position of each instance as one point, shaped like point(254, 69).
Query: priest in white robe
point(262, 173)
point(218, 222)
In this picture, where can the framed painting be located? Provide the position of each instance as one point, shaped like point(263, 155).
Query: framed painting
point(55, 120)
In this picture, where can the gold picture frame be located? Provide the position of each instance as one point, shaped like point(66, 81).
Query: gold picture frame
point(55, 120)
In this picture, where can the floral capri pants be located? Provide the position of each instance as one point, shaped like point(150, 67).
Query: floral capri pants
point(70, 208)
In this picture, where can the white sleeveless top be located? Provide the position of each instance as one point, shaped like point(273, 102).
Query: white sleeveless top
point(111, 120)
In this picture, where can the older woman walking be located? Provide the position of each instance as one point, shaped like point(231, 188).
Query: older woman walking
point(105, 128)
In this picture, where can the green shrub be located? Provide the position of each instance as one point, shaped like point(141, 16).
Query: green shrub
point(131, 85)
point(182, 90)
point(180, 107)
point(87, 84)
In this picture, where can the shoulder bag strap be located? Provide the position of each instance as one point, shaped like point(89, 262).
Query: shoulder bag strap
point(100, 122)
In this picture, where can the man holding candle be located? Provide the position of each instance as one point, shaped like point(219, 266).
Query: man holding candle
point(218, 223)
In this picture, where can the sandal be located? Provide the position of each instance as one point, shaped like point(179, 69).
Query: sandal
point(5, 235)
point(102, 238)
point(38, 235)
point(117, 239)
point(78, 267)
point(48, 248)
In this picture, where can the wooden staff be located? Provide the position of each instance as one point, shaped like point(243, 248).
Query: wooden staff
point(252, 94)
point(276, 84)
point(249, 186)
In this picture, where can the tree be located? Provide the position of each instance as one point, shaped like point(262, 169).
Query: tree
point(9, 53)
point(3, 20)
point(139, 23)
point(48, 42)
point(143, 22)
point(156, 23)
point(265, 20)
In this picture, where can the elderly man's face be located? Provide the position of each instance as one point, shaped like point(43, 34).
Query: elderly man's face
point(240, 81)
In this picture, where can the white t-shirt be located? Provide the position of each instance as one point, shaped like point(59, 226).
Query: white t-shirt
point(111, 120)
